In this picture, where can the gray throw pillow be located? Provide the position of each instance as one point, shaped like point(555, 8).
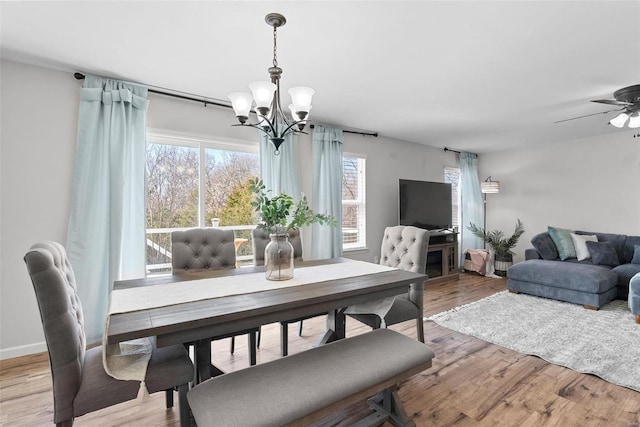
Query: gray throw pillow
point(544, 245)
point(636, 255)
point(562, 239)
point(603, 253)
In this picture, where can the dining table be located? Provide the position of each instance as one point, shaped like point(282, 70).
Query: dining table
point(330, 286)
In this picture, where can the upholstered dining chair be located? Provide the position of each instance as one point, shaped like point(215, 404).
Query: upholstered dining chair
point(403, 247)
point(80, 383)
point(203, 249)
point(259, 241)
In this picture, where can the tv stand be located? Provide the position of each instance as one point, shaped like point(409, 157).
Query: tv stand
point(442, 257)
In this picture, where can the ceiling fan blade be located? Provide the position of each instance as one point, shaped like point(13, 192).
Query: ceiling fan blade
point(612, 102)
point(588, 115)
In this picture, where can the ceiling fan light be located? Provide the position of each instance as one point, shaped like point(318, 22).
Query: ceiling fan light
point(301, 98)
point(634, 120)
point(263, 93)
point(620, 120)
point(241, 103)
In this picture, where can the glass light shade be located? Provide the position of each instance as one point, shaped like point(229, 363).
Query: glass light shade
point(634, 120)
point(490, 187)
point(262, 93)
point(241, 102)
point(301, 98)
point(620, 120)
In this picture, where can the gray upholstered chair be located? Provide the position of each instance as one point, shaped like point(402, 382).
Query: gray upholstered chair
point(403, 247)
point(80, 383)
point(201, 249)
point(259, 240)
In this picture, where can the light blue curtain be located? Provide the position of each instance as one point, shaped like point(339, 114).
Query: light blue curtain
point(280, 173)
point(327, 191)
point(471, 201)
point(106, 231)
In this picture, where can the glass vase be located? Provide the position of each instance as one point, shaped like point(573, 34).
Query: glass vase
point(278, 257)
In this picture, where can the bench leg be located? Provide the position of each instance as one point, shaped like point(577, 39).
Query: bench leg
point(637, 318)
point(388, 407)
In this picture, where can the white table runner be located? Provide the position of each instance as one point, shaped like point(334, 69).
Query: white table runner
point(128, 360)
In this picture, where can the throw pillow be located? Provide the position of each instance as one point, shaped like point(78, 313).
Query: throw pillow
point(636, 255)
point(580, 243)
point(603, 253)
point(543, 244)
point(562, 239)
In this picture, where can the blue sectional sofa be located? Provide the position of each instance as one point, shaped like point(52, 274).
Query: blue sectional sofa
point(580, 267)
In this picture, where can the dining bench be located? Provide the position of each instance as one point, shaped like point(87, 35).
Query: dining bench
point(305, 387)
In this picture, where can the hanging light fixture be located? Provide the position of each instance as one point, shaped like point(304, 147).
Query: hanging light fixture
point(266, 95)
point(620, 120)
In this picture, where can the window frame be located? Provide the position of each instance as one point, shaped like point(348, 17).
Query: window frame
point(361, 243)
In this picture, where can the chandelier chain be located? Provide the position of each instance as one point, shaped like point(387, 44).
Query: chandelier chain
point(275, 46)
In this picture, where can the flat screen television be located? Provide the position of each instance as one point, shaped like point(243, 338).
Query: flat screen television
point(425, 204)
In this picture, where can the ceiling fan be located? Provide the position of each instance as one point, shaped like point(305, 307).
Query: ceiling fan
point(628, 99)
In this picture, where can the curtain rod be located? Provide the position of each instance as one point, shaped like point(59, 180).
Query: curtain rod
point(202, 99)
point(453, 151)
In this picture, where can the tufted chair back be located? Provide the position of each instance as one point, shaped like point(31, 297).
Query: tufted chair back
point(260, 239)
point(405, 247)
point(202, 249)
point(62, 320)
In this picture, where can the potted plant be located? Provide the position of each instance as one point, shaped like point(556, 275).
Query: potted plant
point(500, 244)
point(277, 215)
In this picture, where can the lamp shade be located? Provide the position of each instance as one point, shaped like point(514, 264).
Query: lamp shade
point(620, 120)
point(301, 98)
point(263, 93)
point(634, 120)
point(241, 102)
point(490, 187)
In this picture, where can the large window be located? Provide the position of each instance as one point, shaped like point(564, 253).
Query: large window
point(192, 181)
point(452, 176)
point(353, 201)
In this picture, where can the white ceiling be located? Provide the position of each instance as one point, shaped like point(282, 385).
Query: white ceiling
point(469, 75)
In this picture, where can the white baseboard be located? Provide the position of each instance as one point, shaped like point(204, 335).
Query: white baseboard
point(22, 350)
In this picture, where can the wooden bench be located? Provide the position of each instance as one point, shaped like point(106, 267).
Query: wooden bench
point(305, 387)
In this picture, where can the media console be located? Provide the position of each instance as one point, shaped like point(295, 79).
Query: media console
point(442, 257)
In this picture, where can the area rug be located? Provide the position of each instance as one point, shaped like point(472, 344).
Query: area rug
point(605, 343)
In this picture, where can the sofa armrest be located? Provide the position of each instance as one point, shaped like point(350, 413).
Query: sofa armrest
point(531, 254)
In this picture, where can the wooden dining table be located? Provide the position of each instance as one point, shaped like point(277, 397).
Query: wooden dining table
point(198, 320)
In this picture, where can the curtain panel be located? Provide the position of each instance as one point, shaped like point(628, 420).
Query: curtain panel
point(106, 230)
point(327, 191)
point(280, 173)
point(471, 201)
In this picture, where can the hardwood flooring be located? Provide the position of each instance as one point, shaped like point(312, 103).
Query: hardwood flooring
point(471, 383)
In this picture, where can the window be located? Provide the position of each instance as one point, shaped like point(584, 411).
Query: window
point(191, 181)
point(353, 202)
point(452, 176)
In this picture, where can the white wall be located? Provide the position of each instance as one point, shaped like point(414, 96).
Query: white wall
point(590, 184)
point(39, 120)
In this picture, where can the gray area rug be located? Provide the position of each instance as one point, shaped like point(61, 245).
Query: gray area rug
point(605, 343)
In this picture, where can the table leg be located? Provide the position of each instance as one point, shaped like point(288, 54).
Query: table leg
point(335, 327)
point(205, 369)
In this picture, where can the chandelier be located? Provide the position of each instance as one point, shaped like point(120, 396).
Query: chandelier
point(266, 95)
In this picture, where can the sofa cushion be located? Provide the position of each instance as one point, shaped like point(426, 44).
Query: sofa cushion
point(580, 243)
point(630, 248)
point(567, 275)
point(617, 240)
point(562, 239)
point(625, 272)
point(636, 255)
point(603, 253)
point(543, 243)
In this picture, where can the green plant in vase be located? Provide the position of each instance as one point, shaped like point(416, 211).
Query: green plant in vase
point(500, 244)
point(278, 214)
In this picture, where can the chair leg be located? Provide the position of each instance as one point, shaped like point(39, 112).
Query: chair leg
point(420, 329)
point(233, 345)
point(259, 335)
point(185, 411)
point(252, 348)
point(169, 398)
point(300, 328)
point(284, 339)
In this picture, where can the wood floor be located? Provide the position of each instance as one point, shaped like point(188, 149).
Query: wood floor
point(471, 383)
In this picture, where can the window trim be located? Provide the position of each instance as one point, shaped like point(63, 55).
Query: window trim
point(361, 244)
